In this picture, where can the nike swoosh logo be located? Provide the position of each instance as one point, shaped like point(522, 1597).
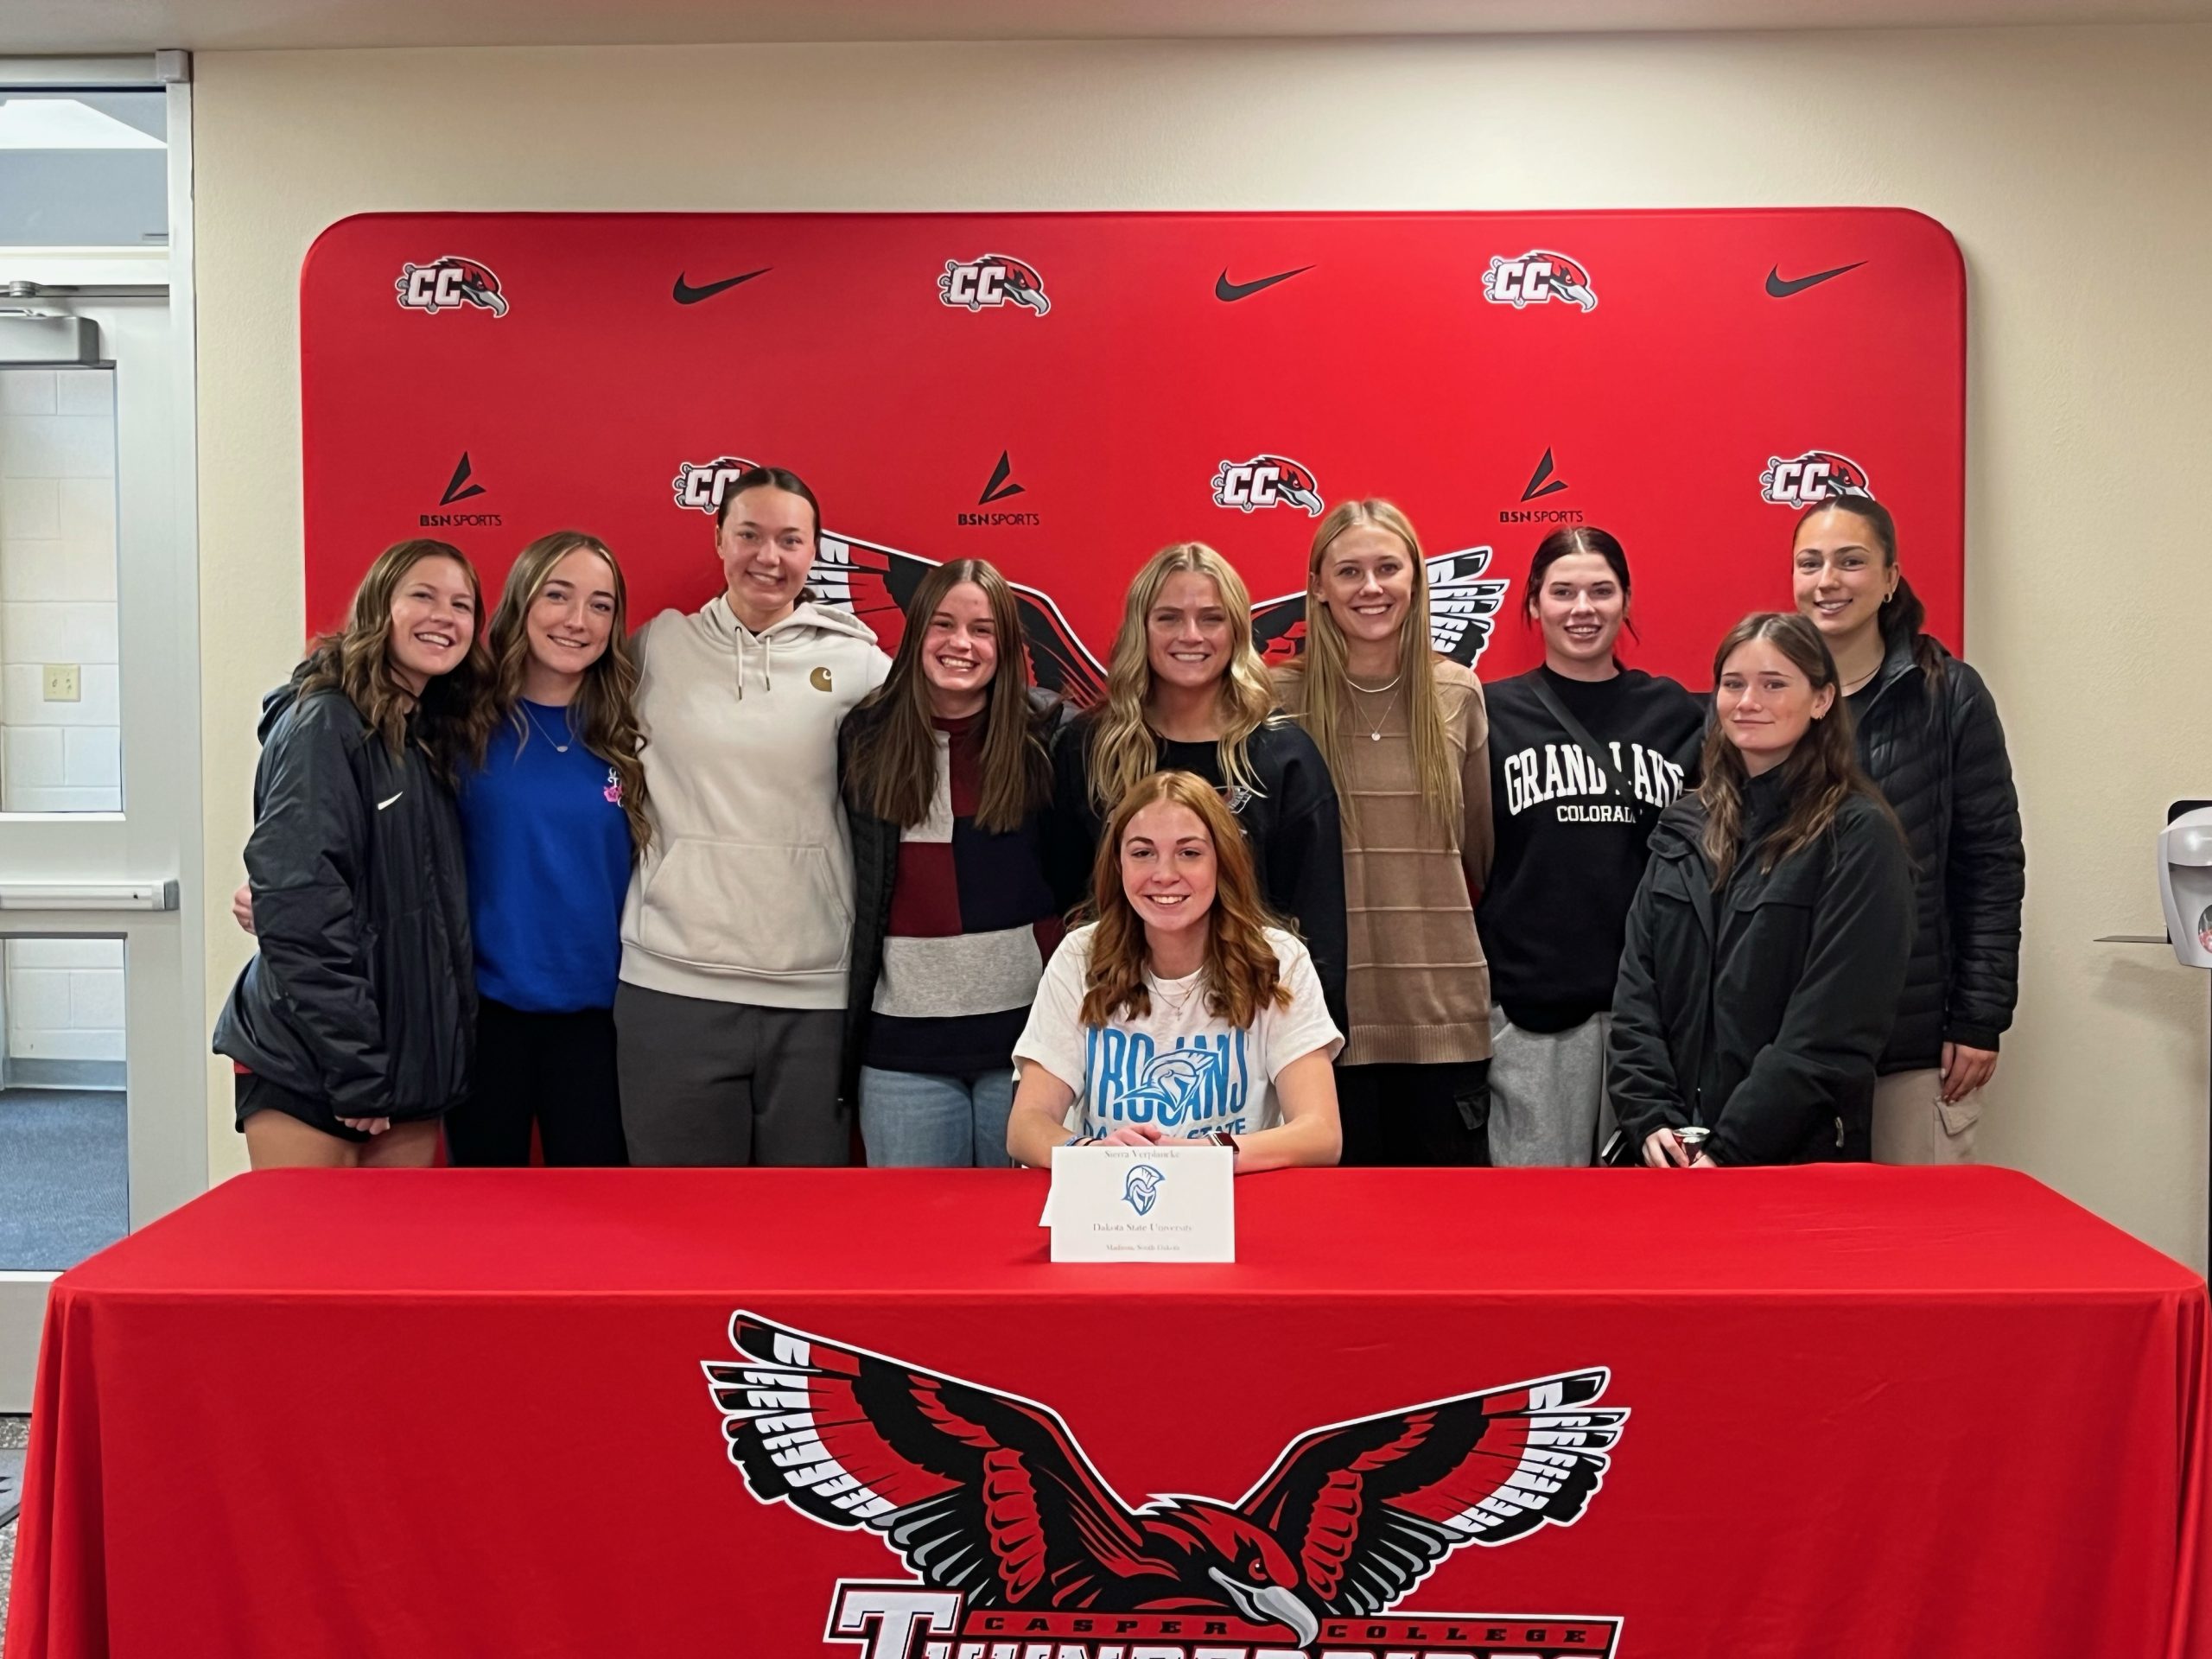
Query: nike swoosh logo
point(1782, 290)
point(1225, 290)
point(382, 804)
point(687, 294)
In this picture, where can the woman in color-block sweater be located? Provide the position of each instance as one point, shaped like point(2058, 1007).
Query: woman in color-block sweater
point(1404, 734)
point(947, 787)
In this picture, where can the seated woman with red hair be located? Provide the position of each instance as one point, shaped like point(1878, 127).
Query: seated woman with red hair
point(1181, 1014)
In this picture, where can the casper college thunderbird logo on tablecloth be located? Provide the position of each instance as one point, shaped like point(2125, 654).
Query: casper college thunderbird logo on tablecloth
point(1020, 1548)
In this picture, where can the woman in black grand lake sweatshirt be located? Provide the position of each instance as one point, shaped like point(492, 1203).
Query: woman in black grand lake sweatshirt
point(1768, 941)
point(1570, 832)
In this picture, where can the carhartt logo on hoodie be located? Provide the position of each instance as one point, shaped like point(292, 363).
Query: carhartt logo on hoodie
point(819, 679)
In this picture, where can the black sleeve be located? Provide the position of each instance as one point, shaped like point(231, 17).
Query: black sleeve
point(1072, 825)
point(873, 874)
point(1305, 867)
point(1845, 1002)
point(1640, 1078)
point(1985, 875)
point(309, 844)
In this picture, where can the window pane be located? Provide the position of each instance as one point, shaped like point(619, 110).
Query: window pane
point(65, 1188)
point(60, 733)
point(83, 169)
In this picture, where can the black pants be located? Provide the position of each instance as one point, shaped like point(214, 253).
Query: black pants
point(1422, 1115)
point(724, 1084)
point(556, 1070)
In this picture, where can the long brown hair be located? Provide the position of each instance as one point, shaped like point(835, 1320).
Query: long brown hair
point(604, 716)
point(1820, 774)
point(1436, 767)
point(453, 715)
point(891, 756)
point(1242, 974)
point(1122, 747)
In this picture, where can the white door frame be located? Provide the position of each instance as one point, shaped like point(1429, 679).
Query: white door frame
point(135, 873)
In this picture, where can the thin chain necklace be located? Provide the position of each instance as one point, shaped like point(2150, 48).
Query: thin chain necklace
point(1175, 1003)
point(558, 748)
point(1374, 732)
point(1850, 687)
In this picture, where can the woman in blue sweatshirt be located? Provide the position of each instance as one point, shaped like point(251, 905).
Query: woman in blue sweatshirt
point(552, 822)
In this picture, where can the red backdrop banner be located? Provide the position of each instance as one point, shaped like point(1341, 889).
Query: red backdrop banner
point(1065, 393)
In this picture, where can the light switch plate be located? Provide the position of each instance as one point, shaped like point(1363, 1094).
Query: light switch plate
point(62, 683)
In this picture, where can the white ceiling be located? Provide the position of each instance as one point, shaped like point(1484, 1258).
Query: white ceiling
point(77, 26)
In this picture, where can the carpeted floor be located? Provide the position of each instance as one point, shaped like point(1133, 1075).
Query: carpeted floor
point(65, 1173)
point(15, 1434)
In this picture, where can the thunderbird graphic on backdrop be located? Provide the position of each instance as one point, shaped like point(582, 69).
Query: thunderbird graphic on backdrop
point(875, 583)
point(1012, 1537)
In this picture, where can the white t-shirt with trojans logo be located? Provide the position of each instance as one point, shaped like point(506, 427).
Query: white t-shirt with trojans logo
point(1181, 1069)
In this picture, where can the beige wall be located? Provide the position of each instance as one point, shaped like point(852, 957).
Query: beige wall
point(2071, 164)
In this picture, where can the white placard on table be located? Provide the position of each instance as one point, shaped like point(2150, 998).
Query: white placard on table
point(1142, 1204)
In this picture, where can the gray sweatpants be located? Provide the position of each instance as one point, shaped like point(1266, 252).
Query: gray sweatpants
point(1548, 1106)
point(726, 1084)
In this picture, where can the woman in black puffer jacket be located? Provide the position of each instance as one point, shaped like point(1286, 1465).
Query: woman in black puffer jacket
point(1928, 735)
point(352, 1027)
point(1767, 941)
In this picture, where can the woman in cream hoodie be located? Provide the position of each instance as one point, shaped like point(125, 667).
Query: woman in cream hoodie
point(730, 1009)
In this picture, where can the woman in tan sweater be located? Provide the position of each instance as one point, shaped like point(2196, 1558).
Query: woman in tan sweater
point(1405, 736)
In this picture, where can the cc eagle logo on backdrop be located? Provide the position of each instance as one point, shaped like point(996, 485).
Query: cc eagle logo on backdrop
point(1009, 1531)
point(996, 279)
point(1816, 475)
point(1538, 278)
point(448, 284)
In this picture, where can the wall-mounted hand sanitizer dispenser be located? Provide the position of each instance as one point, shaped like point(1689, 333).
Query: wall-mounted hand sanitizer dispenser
point(2185, 882)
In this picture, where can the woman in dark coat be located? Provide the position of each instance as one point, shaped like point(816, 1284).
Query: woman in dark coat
point(351, 1027)
point(1928, 736)
point(1767, 942)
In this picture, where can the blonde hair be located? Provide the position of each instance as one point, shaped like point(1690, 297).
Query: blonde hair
point(1436, 768)
point(1123, 750)
point(1242, 974)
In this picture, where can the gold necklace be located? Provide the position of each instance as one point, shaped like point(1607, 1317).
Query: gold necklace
point(1375, 733)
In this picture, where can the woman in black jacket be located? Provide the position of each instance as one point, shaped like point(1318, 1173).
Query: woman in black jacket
point(947, 788)
point(1767, 942)
point(351, 1027)
point(1928, 736)
point(1186, 691)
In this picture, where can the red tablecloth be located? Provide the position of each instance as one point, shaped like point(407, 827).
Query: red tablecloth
point(1866, 1412)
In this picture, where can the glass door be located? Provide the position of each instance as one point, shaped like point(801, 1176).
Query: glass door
point(103, 1105)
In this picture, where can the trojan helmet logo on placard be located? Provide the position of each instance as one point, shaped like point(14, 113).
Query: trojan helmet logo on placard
point(1537, 277)
point(1267, 482)
point(448, 284)
point(1016, 1545)
point(700, 483)
point(996, 279)
point(1816, 475)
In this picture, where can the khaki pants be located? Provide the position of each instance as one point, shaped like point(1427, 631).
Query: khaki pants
point(1912, 1125)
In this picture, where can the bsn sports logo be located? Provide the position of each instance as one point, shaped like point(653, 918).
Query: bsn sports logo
point(448, 284)
point(1816, 475)
point(996, 279)
point(1537, 277)
point(700, 485)
point(1267, 482)
point(1020, 1549)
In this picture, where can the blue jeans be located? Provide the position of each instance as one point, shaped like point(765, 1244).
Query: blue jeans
point(913, 1120)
